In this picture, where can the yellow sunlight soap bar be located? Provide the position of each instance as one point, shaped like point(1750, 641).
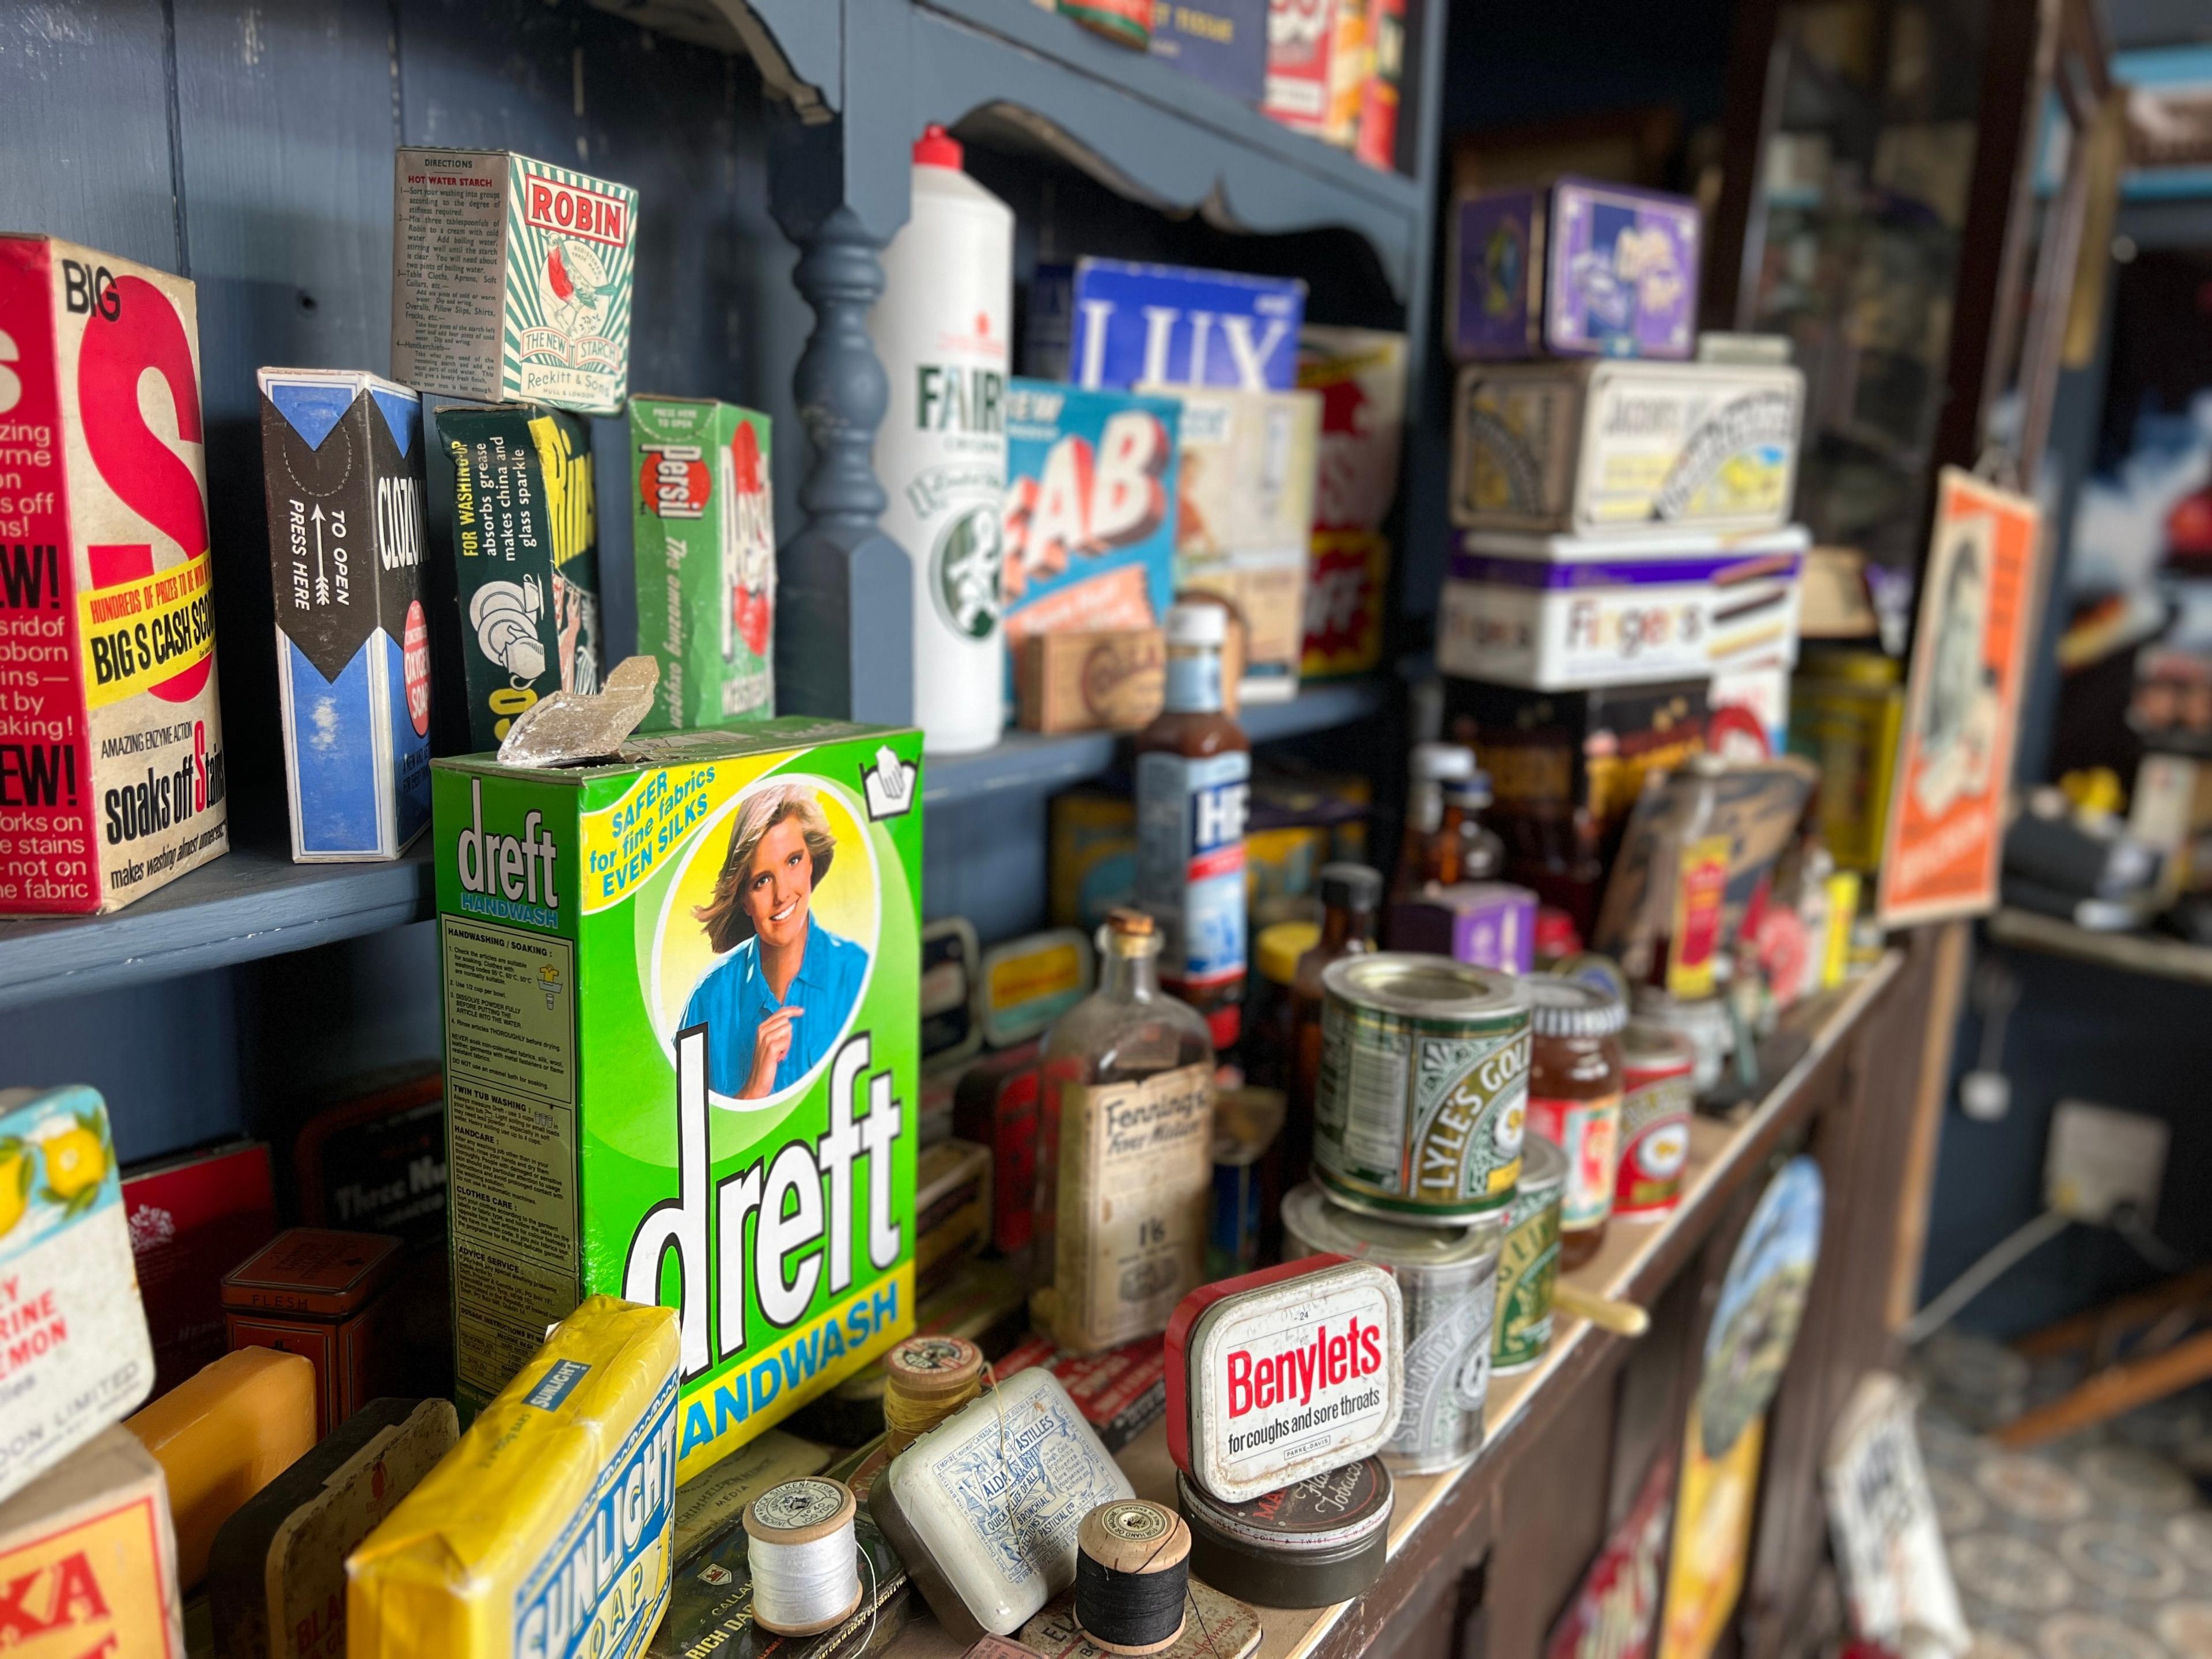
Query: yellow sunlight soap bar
point(88, 1563)
point(545, 1532)
point(221, 1435)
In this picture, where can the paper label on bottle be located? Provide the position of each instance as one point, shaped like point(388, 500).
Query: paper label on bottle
point(1135, 1176)
point(1190, 860)
point(1701, 883)
point(1589, 1132)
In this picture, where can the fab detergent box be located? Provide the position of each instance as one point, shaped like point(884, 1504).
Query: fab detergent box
point(682, 1029)
point(511, 279)
point(111, 739)
point(342, 465)
point(705, 548)
point(1089, 515)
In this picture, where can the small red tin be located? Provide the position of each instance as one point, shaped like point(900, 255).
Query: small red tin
point(1284, 1373)
point(314, 1291)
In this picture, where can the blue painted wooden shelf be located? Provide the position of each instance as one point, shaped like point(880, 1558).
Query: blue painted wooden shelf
point(1029, 763)
point(248, 905)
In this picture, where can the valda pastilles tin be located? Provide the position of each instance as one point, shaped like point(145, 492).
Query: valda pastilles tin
point(1284, 1373)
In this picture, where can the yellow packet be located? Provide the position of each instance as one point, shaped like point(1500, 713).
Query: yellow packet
point(545, 1532)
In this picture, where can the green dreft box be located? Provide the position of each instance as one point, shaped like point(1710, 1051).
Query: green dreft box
point(706, 559)
point(682, 1025)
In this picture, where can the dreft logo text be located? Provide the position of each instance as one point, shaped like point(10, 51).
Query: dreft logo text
point(506, 875)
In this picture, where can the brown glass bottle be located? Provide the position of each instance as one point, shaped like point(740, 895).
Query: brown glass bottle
point(1349, 894)
point(1194, 786)
point(1431, 849)
point(1574, 1100)
point(1128, 1050)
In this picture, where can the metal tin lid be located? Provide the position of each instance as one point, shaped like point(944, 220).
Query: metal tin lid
point(1424, 986)
point(1563, 1007)
point(1319, 1222)
point(1328, 1511)
point(1543, 1169)
point(1281, 944)
point(1648, 1046)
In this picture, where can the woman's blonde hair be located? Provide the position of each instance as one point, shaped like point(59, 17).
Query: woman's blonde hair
point(724, 916)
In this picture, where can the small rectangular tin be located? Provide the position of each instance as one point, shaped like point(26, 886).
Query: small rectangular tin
point(1284, 1373)
point(1577, 269)
point(983, 1509)
point(324, 1294)
point(1605, 447)
point(1029, 983)
point(949, 956)
point(1484, 924)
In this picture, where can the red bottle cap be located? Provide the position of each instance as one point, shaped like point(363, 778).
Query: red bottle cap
point(936, 148)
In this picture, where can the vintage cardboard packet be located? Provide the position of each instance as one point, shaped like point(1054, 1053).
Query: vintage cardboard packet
point(681, 1038)
point(705, 554)
point(1175, 325)
point(1360, 375)
point(342, 468)
point(112, 775)
point(511, 279)
point(514, 527)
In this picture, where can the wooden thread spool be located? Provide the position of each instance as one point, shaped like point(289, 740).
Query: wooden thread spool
point(1132, 1575)
point(803, 1557)
point(926, 1380)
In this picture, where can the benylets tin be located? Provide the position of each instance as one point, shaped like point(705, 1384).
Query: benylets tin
point(1448, 1283)
point(1311, 1545)
point(1284, 1373)
point(1528, 1264)
point(1423, 1087)
point(1657, 1094)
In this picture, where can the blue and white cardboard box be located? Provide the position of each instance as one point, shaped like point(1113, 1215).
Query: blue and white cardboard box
point(1174, 325)
point(342, 458)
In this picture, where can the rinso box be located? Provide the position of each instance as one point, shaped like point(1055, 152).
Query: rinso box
point(342, 467)
point(112, 777)
point(632, 1105)
point(705, 550)
point(1602, 447)
point(510, 278)
point(1288, 1372)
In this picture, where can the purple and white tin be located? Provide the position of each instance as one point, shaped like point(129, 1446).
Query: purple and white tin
point(1562, 613)
point(1576, 269)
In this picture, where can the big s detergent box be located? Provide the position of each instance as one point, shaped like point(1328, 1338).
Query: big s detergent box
point(682, 1031)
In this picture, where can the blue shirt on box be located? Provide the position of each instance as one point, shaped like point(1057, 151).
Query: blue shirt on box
point(734, 997)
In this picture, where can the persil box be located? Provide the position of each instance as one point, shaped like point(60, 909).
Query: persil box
point(1605, 447)
point(110, 742)
point(1282, 1374)
point(1560, 613)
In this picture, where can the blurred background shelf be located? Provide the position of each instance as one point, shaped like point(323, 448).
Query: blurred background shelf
point(251, 902)
point(1031, 763)
point(2135, 953)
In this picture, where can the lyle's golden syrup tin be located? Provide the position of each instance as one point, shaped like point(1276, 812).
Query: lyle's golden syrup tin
point(1423, 1087)
point(1529, 1265)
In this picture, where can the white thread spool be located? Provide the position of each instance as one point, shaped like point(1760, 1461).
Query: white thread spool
point(803, 1557)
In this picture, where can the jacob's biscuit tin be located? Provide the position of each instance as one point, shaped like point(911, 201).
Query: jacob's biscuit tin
point(680, 1036)
point(511, 279)
point(112, 777)
point(546, 1531)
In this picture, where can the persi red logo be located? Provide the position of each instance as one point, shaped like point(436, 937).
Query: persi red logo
point(571, 211)
point(675, 480)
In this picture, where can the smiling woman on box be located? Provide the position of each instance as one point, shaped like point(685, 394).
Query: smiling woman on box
point(775, 1004)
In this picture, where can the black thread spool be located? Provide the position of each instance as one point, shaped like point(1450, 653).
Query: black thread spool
point(1132, 1575)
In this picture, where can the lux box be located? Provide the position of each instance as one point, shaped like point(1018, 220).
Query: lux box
point(1286, 1373)
point(1563, 613)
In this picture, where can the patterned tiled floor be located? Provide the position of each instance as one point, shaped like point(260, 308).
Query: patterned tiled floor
point(2098, 1547)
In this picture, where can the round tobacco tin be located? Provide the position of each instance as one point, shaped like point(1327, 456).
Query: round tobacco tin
point(1319, 1542)
point(1447, 1281)
point(1424, 1086)
point(1529, 1265)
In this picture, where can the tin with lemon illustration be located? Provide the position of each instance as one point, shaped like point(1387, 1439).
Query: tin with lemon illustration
point(75, 1355)
point(682, 1025)
point(1608, 445)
